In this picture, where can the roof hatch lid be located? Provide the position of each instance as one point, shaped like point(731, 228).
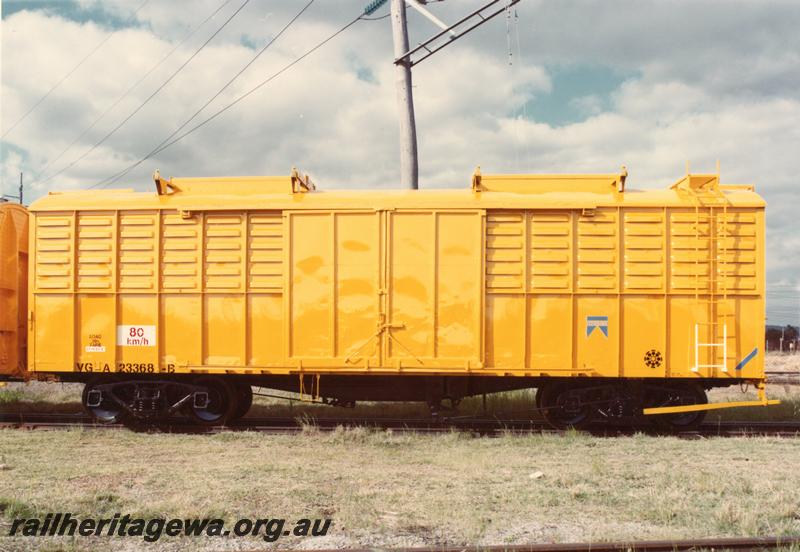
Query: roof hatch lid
point(548, 183)
point(295, 183)
point(697, 182)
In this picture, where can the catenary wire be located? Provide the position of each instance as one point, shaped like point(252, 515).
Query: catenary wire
point(125, 94)
point(151, 96)
point(525, 144)
point(227, 84)
point(117, 176)
point(71, 71)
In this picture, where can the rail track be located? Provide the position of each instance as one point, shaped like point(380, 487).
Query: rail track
point(482, 426)
point(787, 378)
point(735, 543)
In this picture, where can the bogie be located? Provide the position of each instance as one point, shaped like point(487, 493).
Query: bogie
point(568, 404)
point(209, 400)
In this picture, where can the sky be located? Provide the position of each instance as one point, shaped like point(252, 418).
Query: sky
point(554, 86)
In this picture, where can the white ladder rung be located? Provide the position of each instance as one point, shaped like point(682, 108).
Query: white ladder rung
point(697, 345)
point(722, 367)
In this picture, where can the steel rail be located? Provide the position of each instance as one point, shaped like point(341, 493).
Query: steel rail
point(482, 426)
point(786, 378)
point(722, 543)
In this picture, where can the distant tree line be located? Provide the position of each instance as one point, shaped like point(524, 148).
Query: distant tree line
point(779, 338)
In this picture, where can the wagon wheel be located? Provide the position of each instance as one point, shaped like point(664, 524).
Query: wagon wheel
point(221, 404)
point(564, 405)
point(676, 395)
point(100, 405)
point(244, 393)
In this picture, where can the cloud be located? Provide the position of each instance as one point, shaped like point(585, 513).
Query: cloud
point(647, 84)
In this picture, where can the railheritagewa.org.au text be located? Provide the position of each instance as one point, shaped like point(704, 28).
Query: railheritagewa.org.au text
point(151, 530)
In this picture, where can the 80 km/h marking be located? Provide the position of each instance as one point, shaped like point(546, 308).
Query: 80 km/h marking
point(136, 336)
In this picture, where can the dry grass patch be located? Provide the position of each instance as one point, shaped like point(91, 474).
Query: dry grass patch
point(385, 489)
point(782, 362)
point(41, 396)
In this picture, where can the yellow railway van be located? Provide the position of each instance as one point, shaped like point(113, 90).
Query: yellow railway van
point(610, 302)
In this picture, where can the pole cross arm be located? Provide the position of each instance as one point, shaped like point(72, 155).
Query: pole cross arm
point(417, 5)
point(452, 33)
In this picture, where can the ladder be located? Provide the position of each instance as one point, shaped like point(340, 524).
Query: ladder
point(711, 201)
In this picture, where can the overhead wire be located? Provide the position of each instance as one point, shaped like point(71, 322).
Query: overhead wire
point(231, 80)
point(511, 71)
point(151, 96)
point(117, 176)
point(525, 145)
point(125, 94)
point(71, 71)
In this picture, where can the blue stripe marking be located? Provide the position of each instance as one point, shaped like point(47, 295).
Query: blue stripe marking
point(747, 359)
point(605, 318)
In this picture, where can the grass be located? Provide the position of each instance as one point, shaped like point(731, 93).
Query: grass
point(394, 490)
point(12, 396)
point(788, 410)
point(782, 362)
point(38, 396)
point(387, 490)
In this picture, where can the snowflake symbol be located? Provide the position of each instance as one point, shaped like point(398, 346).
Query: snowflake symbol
point(653, 358)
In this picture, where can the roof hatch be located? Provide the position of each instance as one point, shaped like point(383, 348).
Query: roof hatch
point(295, 183)
point(546, 183)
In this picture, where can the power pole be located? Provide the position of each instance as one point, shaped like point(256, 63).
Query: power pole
point(18, 197)
point(404, 61)
point(409, 164)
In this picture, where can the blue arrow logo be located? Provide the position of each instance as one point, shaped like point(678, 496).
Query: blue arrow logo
point(593, 322)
